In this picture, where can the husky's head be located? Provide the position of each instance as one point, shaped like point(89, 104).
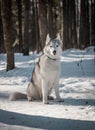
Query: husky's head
point(53, 47)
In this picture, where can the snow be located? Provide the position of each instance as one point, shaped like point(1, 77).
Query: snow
point(77, 88)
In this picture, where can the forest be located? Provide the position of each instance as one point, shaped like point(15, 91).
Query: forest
point(24, 25)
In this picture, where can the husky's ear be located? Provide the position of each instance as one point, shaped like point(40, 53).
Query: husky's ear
point(47, 39)
point(59, 38)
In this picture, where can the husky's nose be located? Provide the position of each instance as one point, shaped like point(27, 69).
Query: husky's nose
point(54, 52)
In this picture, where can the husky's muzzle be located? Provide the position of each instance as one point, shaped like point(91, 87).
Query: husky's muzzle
point(54, 52)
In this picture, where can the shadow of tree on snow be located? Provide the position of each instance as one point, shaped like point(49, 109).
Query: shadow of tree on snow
point(42, 122)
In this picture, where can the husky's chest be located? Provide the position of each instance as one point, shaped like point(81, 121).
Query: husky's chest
point(50, 68)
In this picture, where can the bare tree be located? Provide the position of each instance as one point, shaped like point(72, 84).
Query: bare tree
point(9, 35)
point(19, 5)
point(35, 18)
point(2, 49)
point(84, 32)
point(26, 28)
point(69, 24)
point(92, 35)
point(53, 18)
point(42, 18)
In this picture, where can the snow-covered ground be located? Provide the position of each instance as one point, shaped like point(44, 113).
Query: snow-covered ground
point(77, 88)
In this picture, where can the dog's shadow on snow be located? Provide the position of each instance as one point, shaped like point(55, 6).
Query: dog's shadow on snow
point(65, 101)
point(74, 102)
point(41, 122)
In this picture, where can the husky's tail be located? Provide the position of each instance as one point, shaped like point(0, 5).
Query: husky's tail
point(16, 96)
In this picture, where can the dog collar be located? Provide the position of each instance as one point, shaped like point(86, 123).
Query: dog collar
point(50, 57)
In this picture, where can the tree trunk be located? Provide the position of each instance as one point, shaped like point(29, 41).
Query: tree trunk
point(33, 28)
point(50, 19)
point(38, 44)
point(8, 32)
point(84, 35)
point(19, 5)
point(77, 20)
point(26, 28)
point(61, 19)
point(73, 30)
point(92, 22)
point(69, 24)
point(65, 24)
point(53, 18)
point(2, 49)
point(42, 18)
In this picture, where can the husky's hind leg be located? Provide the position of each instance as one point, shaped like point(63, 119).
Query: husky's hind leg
point(32, 93)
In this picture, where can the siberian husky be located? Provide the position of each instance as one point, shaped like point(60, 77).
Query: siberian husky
point(46, 73)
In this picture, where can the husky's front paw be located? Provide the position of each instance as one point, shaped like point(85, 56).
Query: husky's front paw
point(30, 98)
point(45, 102)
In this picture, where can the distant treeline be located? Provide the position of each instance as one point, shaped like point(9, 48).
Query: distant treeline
point(24, 24)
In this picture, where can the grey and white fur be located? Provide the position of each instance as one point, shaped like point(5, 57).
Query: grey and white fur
point(46, 73)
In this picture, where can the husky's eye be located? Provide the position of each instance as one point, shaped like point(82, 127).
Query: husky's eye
point(50, 46)
point(56, 45)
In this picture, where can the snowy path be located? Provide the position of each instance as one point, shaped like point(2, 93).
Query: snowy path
point(77, 88)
